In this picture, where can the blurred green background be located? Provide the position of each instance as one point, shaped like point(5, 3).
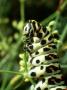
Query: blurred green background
point(13, 16)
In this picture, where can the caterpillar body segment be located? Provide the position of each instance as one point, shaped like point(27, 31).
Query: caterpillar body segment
point(49, 82)
point(44, 70)
point(43, 42)
point(59, 88)
point(44, 50)
point(44, 59)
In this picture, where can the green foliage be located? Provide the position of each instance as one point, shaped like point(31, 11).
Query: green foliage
point(12, 42)
point(5, 6)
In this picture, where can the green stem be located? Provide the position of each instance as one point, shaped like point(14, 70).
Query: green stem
point(26, 59)
point(13, 81)
point(5, 76)
point(59, 11)
point(22, 10)
point(52, 16)
point(10, 72)
point(55, 14)
point(63, 5)
point(26, 67)
point(63, 34)
point(62, 37)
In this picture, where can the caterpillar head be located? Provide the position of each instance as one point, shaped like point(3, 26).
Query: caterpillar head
point(27, 28)
point(31, 28)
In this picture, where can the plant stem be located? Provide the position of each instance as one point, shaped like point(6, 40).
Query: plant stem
point(12, 82)
point(25, 60)
point(5, 76)
point(10, 72)
point(52, 16)
point(64, 33)
point(55, 14)
point(59, 10)
point(22, 10)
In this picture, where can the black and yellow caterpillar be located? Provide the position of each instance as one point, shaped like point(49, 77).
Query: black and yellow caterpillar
point(41, 43)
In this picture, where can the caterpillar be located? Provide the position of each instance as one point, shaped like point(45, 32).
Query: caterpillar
point(41, 44)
